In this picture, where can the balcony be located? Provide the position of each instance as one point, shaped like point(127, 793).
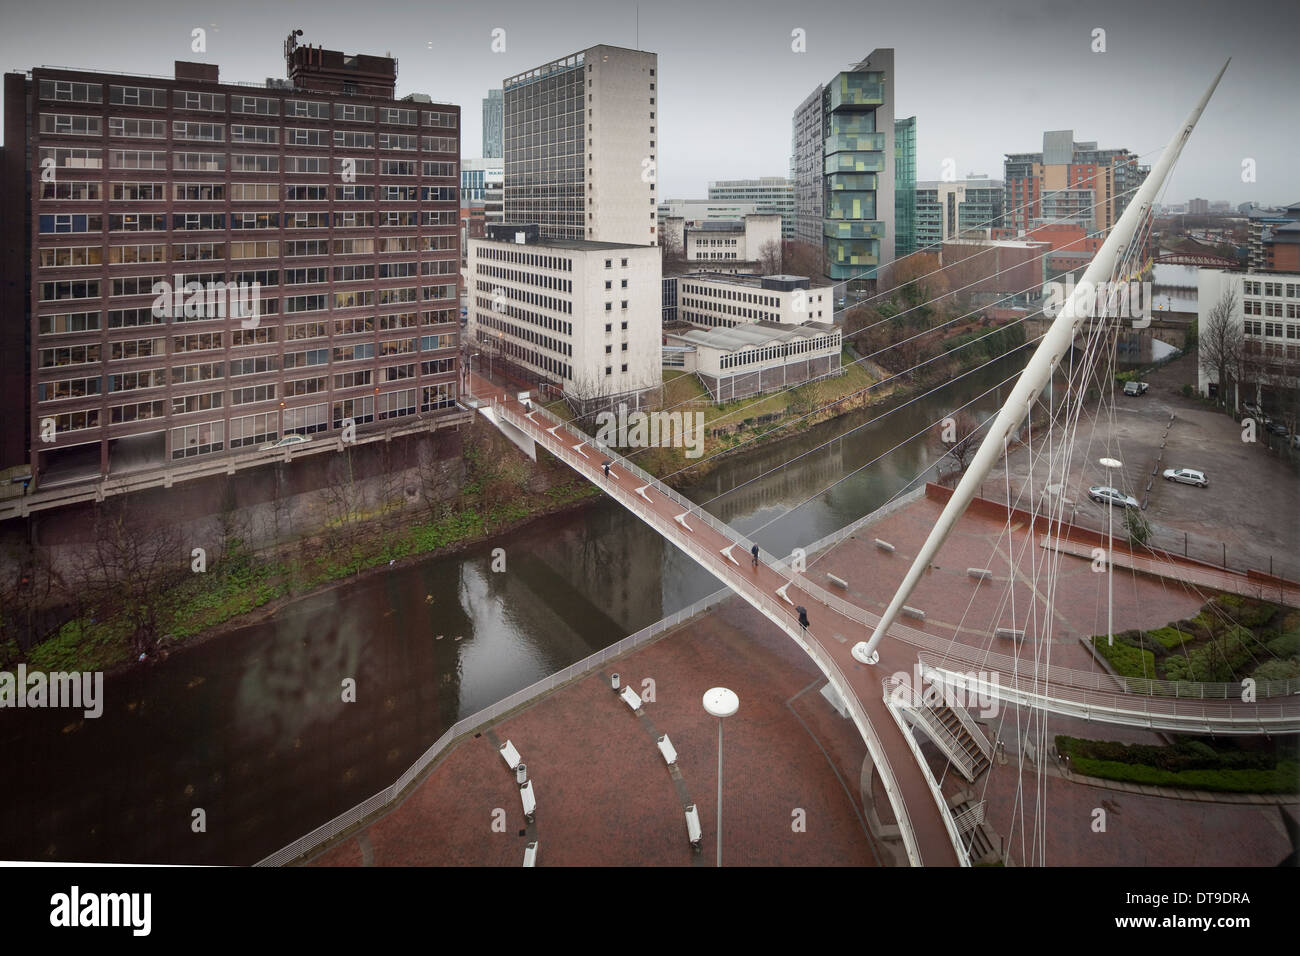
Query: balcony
point(855, 142)
point(851, 229)
point(851, 205)
point(861, 182)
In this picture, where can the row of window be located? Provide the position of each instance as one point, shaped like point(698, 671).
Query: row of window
point(87, 157)
point(1255, 287)
point(1275, 330)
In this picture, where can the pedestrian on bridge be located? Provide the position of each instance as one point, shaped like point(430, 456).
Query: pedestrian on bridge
point(605, 464)
point(754, 552)
point(803, 616)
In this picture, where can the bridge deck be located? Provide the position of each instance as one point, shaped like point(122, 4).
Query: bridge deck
point(830, 635)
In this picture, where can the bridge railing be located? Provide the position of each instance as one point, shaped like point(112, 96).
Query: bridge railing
point(900, 693)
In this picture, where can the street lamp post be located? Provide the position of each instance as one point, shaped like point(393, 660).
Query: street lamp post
point(720, 703)
point(1109, 464)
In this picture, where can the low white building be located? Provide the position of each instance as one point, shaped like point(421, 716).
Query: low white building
point(725, 301)
point(582, 316)
point(1266, 307)
point(749, 359)
point(738, 246)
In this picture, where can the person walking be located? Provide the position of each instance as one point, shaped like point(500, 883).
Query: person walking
point(803, 616)
point(754, 552)
point(605, 465)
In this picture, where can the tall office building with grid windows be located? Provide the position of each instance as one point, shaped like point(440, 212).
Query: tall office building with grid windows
point(580, 147)
point(338, 199)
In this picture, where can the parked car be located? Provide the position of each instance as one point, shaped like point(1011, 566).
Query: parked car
point(1104, 494)
point(1277, 428)
point(286, 441)
point(1135, 388)
point(1187, 476)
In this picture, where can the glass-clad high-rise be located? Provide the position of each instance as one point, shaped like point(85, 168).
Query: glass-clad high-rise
point(904, 187)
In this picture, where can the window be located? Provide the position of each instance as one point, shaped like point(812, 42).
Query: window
point(208, 102)
point(69, 92)
point(71, 125)
point(137, 96)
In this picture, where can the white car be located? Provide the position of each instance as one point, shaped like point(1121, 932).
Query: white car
point(1188, 476)
point(1104, 494)
point(286, 441)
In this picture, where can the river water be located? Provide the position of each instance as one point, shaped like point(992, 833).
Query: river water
point(249, 735)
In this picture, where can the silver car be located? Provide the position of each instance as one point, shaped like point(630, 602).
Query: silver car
point(1188, 476)
point(1104, 494)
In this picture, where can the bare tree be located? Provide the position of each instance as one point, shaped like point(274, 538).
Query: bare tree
point(674, 256)
point(801, 258)
point(1220, 342)
point(957, 435)
point(136, 557)
point(769, 258)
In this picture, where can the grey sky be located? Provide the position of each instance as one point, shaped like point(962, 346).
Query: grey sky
point(983, 79)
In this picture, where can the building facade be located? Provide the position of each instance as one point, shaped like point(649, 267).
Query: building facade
point(962, 209)
point(844, 165)
point(581, 316)
point(905, 185)
point(745, 360)
point(715, 300)
point(1069, 182)
point(770, 195)
point(701, 210)
point(1266, 307)
point(323, 199)
point(493, 124)
point(580, 154)
point(748, 246)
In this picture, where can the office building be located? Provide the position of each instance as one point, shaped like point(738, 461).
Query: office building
point(699, 210)
point(581, 317)
point(963, 209)
point(493, 123)
point(770, 195)
point(844, 163)
point(1069, 182)
point(484, 180)
point(905, 198)
point(747, 246)
point(1266, 307)
point(336, 198)
point(580, 149)
point(719, 300)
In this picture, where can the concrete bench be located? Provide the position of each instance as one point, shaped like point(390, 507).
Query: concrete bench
point(981, 574)
point(693, 831)
point(631, 698)
point(510, 755)
point(837, 581)
point(916, 612)
point(666, 748)
point(530, 801)
point(884, 546)
point(530, 854)
point(1010, 633)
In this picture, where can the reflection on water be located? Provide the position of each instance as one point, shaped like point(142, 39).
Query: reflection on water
point(253, 729)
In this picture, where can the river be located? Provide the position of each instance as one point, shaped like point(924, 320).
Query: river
point(252, 728)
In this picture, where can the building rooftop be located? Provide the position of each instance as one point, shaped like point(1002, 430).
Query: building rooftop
point(752, 334)
point(750, 281)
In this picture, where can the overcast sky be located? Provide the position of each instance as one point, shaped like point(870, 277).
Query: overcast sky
point(983, 79)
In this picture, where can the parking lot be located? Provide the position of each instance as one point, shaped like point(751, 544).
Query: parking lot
point(1249, 514)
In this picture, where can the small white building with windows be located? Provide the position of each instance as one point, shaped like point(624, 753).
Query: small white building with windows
point(714, 300)
point(736, 246)
point(753, 358)
point(582, 317)
point(1266, 306)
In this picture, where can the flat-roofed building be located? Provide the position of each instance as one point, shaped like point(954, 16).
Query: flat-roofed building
point(713, 300)
point(581, 317)
point(753, 358)
point(747, 246)
point(333, 196)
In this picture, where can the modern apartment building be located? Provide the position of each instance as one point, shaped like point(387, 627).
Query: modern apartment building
point(1069, 182)
point(771, 195)
point(905, 187)
point(1264, 227)
point(134, 201)
point(493, 124)
point(583, 316)
point(580, 146)
point(844, 164)
point(962, 209)
point(717, 300)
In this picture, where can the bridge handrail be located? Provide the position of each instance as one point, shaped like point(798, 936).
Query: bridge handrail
point(896, 689)
point(1275, 718)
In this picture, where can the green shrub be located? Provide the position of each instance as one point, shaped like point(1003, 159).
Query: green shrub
point(1170, 637)
point(1126, 659)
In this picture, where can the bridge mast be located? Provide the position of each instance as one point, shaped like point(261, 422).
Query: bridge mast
point(1056, 342)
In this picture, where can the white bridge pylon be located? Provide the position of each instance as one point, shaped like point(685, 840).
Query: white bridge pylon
point(1056, 342)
